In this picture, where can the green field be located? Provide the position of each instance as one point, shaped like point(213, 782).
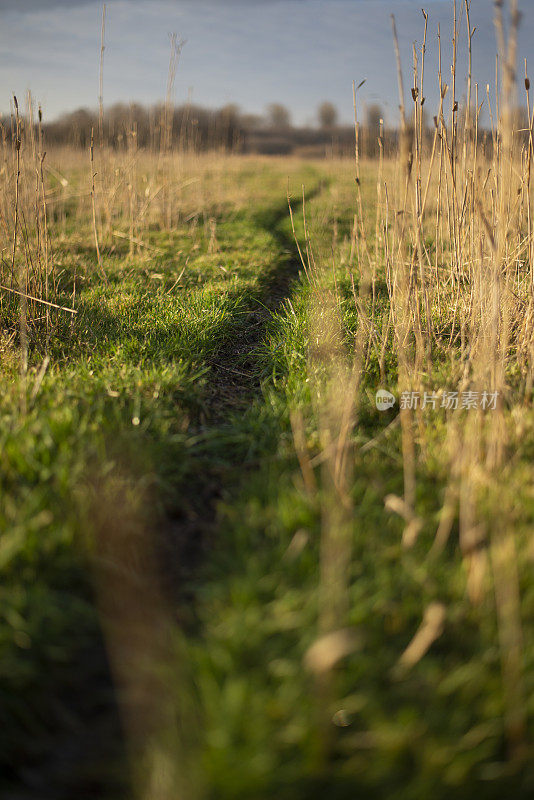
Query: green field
point(215, 581)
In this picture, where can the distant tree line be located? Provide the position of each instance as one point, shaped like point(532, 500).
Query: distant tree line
point(159, 127)
point(192, 127)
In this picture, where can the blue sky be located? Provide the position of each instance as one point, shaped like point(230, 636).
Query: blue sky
point(251, 52)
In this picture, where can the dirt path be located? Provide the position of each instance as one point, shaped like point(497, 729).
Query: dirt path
point(234, 382)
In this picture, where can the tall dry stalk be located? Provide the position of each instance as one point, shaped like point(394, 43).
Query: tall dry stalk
point(101, 80)
point(93, 207)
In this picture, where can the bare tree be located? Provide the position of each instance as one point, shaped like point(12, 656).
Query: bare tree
point(278, 116)
point(327, 115)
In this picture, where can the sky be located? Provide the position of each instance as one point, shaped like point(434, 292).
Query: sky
point(249, 52)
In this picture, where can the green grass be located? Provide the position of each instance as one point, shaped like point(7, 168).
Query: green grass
point(122, 404)
point(436, 731)
point(125, 424)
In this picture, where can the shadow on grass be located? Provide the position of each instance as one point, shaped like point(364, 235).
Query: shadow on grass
point(229, 425)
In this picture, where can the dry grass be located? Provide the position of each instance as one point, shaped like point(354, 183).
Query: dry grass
point(452, 239)
point(440, 266)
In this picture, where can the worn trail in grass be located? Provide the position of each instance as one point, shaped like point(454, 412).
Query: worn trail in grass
point(237, 373)
point(141, 425)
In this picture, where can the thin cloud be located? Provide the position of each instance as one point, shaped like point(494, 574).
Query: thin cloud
point(21, 6)
point(38, 5)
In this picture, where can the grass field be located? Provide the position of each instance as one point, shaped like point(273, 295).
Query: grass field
point(226, 570)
